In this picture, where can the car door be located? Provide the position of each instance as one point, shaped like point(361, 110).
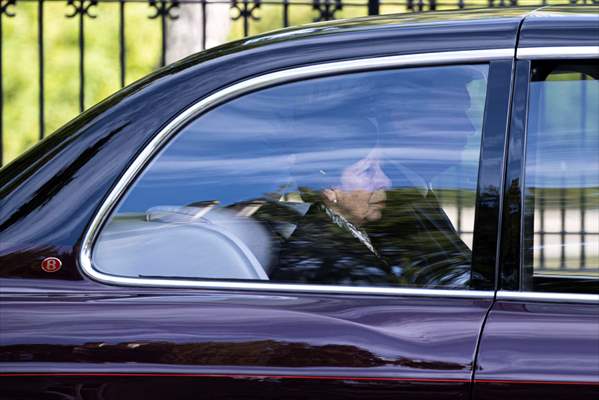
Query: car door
point(541, 338)
point(327, 231)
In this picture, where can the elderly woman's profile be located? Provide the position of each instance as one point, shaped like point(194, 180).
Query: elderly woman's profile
point(374, 214)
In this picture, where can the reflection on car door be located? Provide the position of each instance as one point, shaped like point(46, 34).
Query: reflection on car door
point(541, 338)
point(408, 343)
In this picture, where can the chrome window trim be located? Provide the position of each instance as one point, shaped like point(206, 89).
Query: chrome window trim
point(558, 52)
point(249, 85)
point(547, 296)
point(558, 276)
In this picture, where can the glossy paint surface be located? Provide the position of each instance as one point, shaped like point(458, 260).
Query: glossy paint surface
point(488, 213)
point(553, 344)
point(561, 26)
point(194, 387)
point(223, 333)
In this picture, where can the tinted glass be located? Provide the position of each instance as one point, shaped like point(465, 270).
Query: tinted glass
point(562, 174)
point(362, 179)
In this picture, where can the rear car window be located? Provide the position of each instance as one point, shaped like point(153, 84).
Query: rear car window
point(561, 230)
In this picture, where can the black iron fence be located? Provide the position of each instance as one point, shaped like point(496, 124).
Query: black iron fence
point(38, 42)
point(245, 13)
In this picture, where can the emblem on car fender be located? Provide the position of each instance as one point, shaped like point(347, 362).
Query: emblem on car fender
point(51, 264)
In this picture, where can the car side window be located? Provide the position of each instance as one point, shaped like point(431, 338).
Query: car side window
point(561, 213)
point(360, 179)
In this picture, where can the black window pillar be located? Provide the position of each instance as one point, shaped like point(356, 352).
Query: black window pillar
point(373, 7)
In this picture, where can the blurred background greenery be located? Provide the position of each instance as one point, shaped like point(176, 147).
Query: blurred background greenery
point(143, 35)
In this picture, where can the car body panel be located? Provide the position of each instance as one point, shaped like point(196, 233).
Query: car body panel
point(535, 348)
point(540, 350)
point(64, 334)
point(242, 334)
point(155, 387)
point(561, 27)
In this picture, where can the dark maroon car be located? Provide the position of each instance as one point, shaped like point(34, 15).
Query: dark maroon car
point(393, 207)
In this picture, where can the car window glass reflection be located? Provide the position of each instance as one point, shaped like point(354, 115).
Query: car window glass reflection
point(562, 179)
point(362, 179)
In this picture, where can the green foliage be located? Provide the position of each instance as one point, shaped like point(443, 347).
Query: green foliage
point(61, 64)
point(21, 62)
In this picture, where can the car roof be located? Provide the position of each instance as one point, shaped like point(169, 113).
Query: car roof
point(412, 32)
point(472, 17)
point(494, 28)
point(408, 20)
point(552, 27)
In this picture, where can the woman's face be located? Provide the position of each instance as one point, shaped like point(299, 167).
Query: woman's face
point(360, 196)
